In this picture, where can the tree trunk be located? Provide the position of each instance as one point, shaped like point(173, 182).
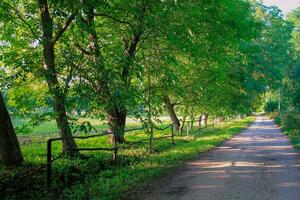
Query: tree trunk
point(183, 124)
point(116, 122)
point(68, 142)
point(200, 121)
point(10, 152)
point(206, 120)
point(171, 111)
point(116, 116)
point(192, 118)
point(222, 119)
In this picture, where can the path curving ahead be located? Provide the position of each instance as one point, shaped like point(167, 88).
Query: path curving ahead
point(257, 164)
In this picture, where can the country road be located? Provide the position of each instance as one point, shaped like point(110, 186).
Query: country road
point(257, 164)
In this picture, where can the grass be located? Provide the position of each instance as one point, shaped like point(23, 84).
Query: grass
point(50, 127)
point(294, 135)
point(95, 177)
point(295, 140)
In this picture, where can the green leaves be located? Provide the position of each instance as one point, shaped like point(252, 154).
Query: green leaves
point(208, 56)
point(83, 127)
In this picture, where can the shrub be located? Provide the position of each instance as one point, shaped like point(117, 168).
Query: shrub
point(277, 119)
point(291, 122)
point(271, 106)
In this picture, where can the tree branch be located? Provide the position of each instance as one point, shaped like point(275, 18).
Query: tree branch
point(68, 80)
point(83, 51)
point(113, 18)
point(24, 21)
point(61, 31)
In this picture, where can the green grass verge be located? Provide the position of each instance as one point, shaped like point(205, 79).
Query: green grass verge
point(295, 140)
point(95, 177)
point(293, 135)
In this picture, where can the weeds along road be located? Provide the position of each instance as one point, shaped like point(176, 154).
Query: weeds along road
point(257, 164)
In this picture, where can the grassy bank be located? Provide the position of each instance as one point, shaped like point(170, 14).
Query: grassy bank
point(95, 177)
point(290, 127)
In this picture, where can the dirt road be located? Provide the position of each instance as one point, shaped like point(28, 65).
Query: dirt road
point(258, 164)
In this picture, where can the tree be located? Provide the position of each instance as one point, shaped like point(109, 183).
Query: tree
point(210, 61)
point(28, 17)
point(289, 93)
point(271, 51)
point(113, 57)
point(10, 152)
point(49, 71)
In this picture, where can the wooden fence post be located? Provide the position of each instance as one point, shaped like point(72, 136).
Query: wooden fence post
point(115, 155)
point(151, 139)
point(49, 157)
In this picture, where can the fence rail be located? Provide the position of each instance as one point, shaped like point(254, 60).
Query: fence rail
point(115, 148)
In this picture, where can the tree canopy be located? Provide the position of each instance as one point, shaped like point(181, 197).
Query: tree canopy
point(112, 59)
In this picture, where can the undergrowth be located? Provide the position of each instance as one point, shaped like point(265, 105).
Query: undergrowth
point(94, 177)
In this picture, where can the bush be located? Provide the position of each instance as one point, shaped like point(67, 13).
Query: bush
point(271, 106)
point(291, 122)
point(24, 129)
point(277, 119)
point(273, 115)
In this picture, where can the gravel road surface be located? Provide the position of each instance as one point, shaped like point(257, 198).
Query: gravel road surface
point(257, 164)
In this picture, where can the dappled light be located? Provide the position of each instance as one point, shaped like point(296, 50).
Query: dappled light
point(145, 99)
point(259, 157)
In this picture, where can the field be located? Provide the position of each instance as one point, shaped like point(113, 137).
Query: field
point(50, 127)
point(94, 176)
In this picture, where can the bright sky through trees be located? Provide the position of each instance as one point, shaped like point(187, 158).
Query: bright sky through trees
point(285, 5)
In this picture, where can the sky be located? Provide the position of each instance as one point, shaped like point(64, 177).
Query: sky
point(284, 5)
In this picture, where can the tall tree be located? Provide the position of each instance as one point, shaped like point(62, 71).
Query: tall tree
point(49, 71)
point(289, 95)
point(110, 67)
point(10, 152)
point(53, 23)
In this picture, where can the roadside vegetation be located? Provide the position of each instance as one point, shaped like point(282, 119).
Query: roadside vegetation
point(95, 177)
point(283, 104)
point(76, 68)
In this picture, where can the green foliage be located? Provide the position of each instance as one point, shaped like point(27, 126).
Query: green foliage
point(271, 106)
point(24, 129)
point(215, 63)
point(95, 177)
point(294, 17)
point(83, 127)
point(291, 122)
point(277, 119)
point(126, 56)
point(290, 88)
point(291, 126)
point(27, 97)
